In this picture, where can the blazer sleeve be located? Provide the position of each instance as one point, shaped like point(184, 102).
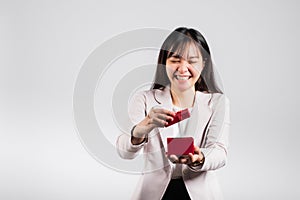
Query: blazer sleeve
point(216, 141)
point(137, 112)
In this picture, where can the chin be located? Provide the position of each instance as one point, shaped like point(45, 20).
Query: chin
point(184, 87)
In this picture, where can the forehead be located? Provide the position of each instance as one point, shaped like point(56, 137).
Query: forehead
point(186, 51)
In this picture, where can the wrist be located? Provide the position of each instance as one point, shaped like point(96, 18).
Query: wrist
point(136, 139)
point(137, 132)
point(202, 158)
point(199, 161)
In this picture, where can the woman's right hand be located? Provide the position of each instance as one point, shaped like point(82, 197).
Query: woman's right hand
point(157, 117)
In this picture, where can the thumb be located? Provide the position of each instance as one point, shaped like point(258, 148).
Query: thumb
point(192, 158)
point(196, 149)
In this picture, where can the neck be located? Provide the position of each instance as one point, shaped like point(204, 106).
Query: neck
point(183, 99)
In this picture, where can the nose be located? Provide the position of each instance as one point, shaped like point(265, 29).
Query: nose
point(183, 67)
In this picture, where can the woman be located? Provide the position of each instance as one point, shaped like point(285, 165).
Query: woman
point(184, 79)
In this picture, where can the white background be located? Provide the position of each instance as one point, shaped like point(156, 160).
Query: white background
point(43, 45)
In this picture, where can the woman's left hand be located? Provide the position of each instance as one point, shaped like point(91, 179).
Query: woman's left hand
point(190, 160)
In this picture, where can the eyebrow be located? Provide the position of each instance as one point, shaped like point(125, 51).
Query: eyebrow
point(178, 56)
point(175, 56)
point(193, 57)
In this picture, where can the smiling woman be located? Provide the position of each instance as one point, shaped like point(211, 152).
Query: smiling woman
point(183, 72)
point(184, 80)
point(187, 44)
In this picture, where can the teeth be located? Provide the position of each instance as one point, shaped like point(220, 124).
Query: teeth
point(182, 77)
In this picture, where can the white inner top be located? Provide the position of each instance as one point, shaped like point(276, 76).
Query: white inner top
point(179, 130)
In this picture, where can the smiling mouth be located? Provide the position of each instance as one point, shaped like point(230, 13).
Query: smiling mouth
point(182, 77)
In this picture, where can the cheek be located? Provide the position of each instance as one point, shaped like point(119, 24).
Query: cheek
point(170, 71)
point(196, 71)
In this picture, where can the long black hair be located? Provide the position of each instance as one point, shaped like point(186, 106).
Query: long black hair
point(177, 42)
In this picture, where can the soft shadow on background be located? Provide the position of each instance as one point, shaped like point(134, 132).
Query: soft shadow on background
point(44, 44)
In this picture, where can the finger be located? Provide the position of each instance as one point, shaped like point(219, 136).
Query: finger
point(164, 117)
point(183, 160)
point(173, 158)
point(196, 149)
point(159, 122)
point(169, 112)
point(164, 111)
point(192, 157)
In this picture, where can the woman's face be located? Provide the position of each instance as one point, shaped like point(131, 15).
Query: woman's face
point(184, 70)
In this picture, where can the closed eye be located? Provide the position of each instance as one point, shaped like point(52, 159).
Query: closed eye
point(193, 61)
point(175, 61)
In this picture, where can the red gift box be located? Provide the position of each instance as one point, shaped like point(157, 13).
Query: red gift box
point(180, 146)
point(179, 116)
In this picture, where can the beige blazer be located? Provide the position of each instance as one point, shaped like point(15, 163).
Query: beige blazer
point(209, 125)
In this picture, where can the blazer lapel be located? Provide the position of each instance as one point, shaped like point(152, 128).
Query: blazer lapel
point(200, 117)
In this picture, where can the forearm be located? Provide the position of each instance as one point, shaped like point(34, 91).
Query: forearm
point(140, 131)
point(130, 145)
point(214, 158)
point(126, 149)
point(136, 138)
